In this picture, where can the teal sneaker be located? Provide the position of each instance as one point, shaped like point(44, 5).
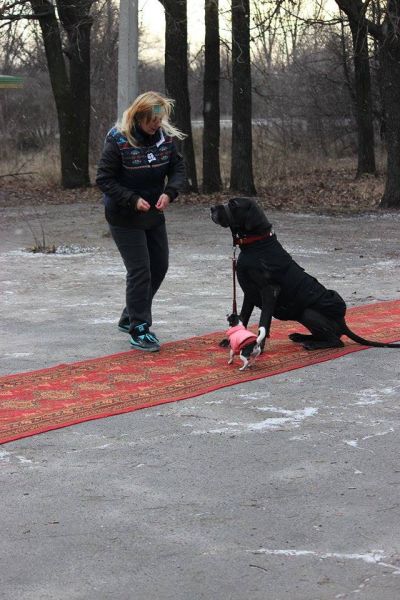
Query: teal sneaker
point(143, 339)
point(152, 335)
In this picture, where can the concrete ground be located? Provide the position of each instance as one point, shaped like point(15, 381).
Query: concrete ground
point(285, 488)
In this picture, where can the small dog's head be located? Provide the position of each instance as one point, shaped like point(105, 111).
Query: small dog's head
point(233, 319)
point(241, 215)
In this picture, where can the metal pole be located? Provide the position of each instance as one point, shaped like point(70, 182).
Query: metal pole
point(128, 43)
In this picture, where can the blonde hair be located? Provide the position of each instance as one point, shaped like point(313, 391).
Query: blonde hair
point(146, 106)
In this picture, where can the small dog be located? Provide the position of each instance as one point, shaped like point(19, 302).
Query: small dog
point(243, 342)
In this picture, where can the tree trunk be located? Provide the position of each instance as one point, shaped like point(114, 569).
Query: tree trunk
point(388, 36)
point(176, 80)
point(363, 99)
point(390, 77)
point(77, 23)
point(241, 159)
point(71, 90)
point(211, 108)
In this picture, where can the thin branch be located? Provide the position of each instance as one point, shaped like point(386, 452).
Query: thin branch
point(17, 174)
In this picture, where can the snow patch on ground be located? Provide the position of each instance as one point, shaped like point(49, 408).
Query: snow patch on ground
point(375, 557)
point(370, 396)
point(287, 419)
point(354, 443)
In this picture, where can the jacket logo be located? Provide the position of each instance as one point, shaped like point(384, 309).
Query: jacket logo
point(150, 157)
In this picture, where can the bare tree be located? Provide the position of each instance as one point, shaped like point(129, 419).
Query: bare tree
point(70, 83)
point(176, 79)
point(211, 107)
point(69, 70)
point(241, 179)
point(389, 59)
point(362, 91)
point(388, 36)
point(104, 75)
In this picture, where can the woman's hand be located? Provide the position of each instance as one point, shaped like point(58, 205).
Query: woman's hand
point(163, 202)
point(142, 205)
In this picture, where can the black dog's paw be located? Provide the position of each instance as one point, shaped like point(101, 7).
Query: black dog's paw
point(322, 345)
point(224, 343)
point(298, 338)
point(309, 346)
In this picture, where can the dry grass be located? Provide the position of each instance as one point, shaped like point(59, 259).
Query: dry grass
point(301, 181)
point(284, 181)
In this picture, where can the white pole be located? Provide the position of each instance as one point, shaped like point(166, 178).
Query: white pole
point(128, 43)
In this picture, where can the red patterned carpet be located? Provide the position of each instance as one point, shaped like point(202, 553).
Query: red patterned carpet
point(39, 401)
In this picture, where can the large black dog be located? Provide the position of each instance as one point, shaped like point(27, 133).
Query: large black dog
point(275, 283)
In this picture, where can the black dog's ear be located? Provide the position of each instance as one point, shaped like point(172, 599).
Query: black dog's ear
point(247, 216)
point(239, 202)
point(237, 209)
point(255, 218)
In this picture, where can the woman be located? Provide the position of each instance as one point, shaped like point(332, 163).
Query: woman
point(140, 173)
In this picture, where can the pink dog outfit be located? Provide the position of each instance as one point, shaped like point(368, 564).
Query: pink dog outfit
point(239, 337)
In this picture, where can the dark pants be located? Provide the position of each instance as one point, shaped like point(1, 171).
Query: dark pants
point(145, 256)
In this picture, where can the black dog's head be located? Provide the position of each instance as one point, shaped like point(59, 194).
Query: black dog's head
point(233, 319)
point(241, 215)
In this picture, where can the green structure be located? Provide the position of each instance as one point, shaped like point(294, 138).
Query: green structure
point(10, 82)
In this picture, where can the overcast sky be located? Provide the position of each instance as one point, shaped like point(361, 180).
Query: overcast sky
point(152, 18)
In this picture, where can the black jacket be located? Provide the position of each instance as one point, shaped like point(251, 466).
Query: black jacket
point(126, 173)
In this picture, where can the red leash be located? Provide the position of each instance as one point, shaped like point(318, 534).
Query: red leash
point(234, 262)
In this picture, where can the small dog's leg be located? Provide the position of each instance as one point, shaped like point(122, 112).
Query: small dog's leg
point(231, 355)
point(254, 355)
point(246, 363)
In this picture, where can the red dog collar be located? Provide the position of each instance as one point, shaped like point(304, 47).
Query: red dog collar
point(251, 238)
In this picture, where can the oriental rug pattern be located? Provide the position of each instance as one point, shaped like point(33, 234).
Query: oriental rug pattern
point(67, 394)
